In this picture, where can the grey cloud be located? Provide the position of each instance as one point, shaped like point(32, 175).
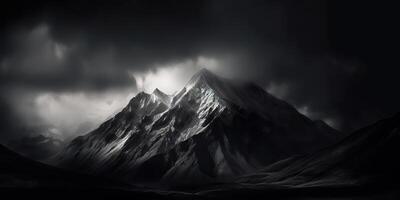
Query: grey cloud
point(324, 53)
point(38, 61)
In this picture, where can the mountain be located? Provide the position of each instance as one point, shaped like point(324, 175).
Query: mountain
point(366, 157)
point(22, 178)
point(38, 147)
point(213, 129)
point(17, 171)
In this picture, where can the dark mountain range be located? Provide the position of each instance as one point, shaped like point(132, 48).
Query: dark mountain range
point(38, 147)
point(362, 166)
point(214, 129)
point(366, 157)
point(232, 138)
point(17, 171)
point(22, 178)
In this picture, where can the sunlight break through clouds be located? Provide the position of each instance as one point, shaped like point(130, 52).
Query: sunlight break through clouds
point(172, 77)
point(72, 113)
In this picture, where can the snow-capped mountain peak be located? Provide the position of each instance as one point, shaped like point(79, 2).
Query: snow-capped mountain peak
point(204, 78)
point(166, 99)
point(212, 129)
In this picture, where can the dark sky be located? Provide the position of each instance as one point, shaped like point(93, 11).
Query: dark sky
point(66, 66)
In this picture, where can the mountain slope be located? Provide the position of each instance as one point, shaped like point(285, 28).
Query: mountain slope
point(38, 147)
point(17, 171)
point(22, 178)
point(368, 156)
point(213, 129)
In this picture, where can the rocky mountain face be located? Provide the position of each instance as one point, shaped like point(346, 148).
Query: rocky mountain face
point(213, 129)
point(366, 157)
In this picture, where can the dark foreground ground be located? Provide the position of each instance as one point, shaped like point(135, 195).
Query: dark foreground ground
point(21, 178)
point(237, 193)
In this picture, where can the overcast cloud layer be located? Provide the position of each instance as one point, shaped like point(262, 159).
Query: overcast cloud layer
point(67, 66)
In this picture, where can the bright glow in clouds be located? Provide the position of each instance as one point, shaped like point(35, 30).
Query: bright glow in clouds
point(78, 113)
point(71, 114)
point(171, 78)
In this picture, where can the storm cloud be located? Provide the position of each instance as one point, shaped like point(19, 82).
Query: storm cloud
point(70, 65)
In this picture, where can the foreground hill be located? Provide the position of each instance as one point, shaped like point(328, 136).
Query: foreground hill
point(17, 171)
point(368, 156)
point(22, 178)
point(37, 147)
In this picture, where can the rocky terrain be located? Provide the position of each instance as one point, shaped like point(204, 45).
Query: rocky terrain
point(214, 129)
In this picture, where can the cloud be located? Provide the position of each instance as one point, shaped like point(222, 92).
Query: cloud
point(37, 60)
point(68, 113)
point(172, 77)
point(35, 53)
point(308, 53)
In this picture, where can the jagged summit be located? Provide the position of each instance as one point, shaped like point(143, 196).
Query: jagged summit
point(204, 73)
point(158, 91)
point(204, 76)
point(162, 96)
point(244, 94)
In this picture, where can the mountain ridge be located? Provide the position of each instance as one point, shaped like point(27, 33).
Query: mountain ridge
point(212, 129)
point(362, 158)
